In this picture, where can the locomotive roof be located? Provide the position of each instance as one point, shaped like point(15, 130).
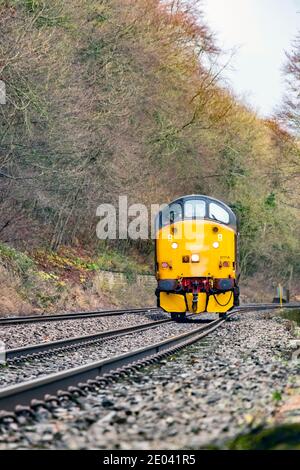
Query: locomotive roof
point(182, 199)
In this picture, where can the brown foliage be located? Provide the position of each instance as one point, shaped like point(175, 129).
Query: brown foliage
point(124, 97)
point(290, 110)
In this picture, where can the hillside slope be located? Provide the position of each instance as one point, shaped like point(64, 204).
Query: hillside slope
point(106, 98)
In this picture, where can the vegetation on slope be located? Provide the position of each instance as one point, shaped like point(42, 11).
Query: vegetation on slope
point(70, 279)
point(106, 98)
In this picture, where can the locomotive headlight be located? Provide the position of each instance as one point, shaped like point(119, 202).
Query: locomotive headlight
point(195, 258)
point(174, 245)
point(216, 244)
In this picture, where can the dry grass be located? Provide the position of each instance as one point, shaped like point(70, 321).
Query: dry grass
point(10, 299)
point(66, 283)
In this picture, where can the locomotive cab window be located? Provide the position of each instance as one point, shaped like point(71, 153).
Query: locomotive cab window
point(171, 214)
point(217, 212)
point(194, 209)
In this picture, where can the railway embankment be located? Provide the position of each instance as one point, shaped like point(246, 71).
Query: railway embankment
point(218, 392)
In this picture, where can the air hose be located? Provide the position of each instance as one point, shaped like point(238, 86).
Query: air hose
point(223, 305)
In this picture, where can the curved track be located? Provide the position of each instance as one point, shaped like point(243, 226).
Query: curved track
point(50, 347)
point(17, 320)
point(13, 398)
point(14, 320)
point(24, 393)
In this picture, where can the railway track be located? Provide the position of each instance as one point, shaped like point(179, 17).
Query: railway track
point(257, 307)
point(50, 347)
point(78, 380)
point(32, 351)
point(88, 376)
point(14, 320)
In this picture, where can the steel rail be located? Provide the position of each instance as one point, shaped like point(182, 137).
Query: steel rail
point(14, 320)
point(269, 306)
point(50, 347)
point(22, 394)
point(89, 376)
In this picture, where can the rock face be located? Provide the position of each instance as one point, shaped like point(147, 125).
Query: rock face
point(207, 394)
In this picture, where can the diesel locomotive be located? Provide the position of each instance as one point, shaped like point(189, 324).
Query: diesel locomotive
point(196, 257)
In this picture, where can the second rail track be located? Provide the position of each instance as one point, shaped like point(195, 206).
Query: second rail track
point(78, 380)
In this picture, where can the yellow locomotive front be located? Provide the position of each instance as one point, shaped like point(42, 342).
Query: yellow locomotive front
point(196, 256)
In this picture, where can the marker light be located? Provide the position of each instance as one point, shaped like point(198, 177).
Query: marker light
point(195, 258)
point(174, 245)
point(164, 265)
point(216, 244)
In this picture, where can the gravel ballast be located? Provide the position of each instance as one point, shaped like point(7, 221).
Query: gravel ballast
point(31, 368)
point(32, 333)
point(203, 396)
